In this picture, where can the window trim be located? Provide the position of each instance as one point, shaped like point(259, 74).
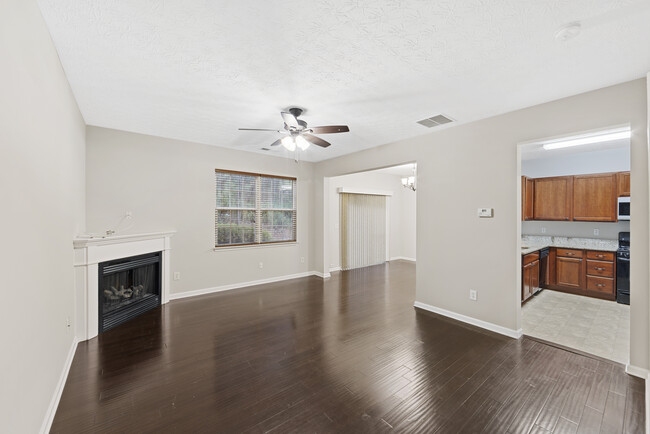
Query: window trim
point(258, 210)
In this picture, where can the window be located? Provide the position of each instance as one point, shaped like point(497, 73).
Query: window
point(254, 209)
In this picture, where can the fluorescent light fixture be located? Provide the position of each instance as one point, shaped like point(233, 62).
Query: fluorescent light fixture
point(289, 143)
point(302, 142)
point(603, 136)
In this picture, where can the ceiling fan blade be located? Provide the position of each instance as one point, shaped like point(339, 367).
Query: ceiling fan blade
point(290, 119)
point(276, 143)
point(330, 129)
point(316, 140)
point(258, 129)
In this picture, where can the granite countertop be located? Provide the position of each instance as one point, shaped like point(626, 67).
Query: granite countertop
point(534, 243)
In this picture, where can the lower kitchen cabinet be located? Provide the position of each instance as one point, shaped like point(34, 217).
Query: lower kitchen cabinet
point(584, 272)
point(530, 276)
point(569, 272)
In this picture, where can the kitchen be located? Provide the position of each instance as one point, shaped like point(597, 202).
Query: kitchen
point(575, 212)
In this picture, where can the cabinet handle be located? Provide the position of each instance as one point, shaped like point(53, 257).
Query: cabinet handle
point(570, 254)
point(600, 256)
point(601, 285)
point(599, 268)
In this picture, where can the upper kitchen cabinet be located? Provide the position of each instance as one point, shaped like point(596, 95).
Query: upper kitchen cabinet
point(553, 198)
point(594, 197)
point(527, 198)
point(623, 183)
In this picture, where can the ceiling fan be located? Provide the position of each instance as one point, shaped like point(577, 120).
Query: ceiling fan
point(298, 133)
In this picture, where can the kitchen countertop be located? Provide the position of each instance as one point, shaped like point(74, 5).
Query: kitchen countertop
point(535, 243)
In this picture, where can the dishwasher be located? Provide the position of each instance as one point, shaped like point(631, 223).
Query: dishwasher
point(543, 270)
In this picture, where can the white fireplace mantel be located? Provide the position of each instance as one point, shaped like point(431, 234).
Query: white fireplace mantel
point(89, 251)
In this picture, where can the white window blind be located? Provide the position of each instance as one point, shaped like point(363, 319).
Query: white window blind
point(253, 208)
point(363, 230)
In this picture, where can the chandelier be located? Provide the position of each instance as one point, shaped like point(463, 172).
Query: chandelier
point(409, 181)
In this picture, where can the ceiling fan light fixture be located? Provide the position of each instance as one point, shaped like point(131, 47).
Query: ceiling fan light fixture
point(302, 143)
point(289, 143)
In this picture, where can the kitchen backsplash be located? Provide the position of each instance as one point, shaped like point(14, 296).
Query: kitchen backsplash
point(569, 242)
point(607, 231)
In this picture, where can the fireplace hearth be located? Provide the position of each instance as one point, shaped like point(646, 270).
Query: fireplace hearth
point(128, 287)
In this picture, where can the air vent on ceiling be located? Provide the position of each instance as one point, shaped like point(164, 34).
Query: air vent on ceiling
point(434, 121)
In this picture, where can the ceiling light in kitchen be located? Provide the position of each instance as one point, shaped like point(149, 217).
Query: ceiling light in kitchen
point(600, 137)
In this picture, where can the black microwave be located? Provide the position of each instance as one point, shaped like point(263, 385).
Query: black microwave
point(624, 208)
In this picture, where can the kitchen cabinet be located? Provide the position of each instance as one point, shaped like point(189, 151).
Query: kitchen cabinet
point(623, 183)
point(527, 198)
point(583, 272)
point(553, 198)
point(601, 273)
point(589, 198)
point(530, 276)
point(569, 272)
point(594, 197)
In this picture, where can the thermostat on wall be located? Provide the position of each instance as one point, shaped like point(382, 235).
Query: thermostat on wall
point(486, 212)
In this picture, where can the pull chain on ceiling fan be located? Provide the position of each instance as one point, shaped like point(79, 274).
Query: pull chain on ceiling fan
point(298, 133)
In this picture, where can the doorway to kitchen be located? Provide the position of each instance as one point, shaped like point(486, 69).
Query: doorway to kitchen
point(371, 217)
point(575, 237)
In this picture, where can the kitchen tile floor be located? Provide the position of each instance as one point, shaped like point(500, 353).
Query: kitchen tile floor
point(598, 327)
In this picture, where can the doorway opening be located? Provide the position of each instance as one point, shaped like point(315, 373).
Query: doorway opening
point(575, 232)
point(371, 217)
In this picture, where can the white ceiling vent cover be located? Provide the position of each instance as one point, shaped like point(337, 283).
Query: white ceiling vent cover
point(434, 121)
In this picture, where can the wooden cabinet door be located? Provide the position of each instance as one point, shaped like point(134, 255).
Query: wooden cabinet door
point(569, 272)
point(527, 198)
point(534, 277)
point(594, 197)
point(623, 183)
point(553, 198)
point(526, 290)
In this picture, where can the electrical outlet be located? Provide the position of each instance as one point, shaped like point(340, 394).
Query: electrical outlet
point(302, 259)
point(543, 230)
point(261, 264)
point(67, 322)
point(177, 275)
point(128, 214)
point(596, 231)
point(473, 295)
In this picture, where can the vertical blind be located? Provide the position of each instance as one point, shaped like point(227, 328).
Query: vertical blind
point(363, 230)
point(254, 209)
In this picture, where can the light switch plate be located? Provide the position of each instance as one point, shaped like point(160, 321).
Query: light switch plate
point(486, 212)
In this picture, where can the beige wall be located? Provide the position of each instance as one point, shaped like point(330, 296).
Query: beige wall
point(401, 212)
point(169, 184)
point(42, 196)
point(475, 165)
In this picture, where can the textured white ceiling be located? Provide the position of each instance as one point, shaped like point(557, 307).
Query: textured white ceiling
point(199, 69)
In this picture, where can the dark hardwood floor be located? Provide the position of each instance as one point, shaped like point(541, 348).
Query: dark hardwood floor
point(347, 354)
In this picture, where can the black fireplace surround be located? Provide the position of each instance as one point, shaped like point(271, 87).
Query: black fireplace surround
point(128, 287)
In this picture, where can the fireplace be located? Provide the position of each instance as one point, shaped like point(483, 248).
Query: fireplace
point(128, 287)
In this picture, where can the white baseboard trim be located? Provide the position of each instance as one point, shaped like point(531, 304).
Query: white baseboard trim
point(403, 258)
point(516, 334)
point(636, 371)
point(54, 402)
point(204, 291)
point(333, 269)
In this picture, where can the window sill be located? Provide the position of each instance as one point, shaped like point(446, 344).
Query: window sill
point(254, 246)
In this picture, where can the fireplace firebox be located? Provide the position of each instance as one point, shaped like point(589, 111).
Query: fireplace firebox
point(128, 287)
